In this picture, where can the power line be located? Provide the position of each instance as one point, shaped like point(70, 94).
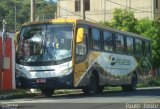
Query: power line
point(74, 12)
point(99, 13)
point(132, 8)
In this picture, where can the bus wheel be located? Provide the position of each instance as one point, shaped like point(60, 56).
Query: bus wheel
point(100, 89)
point(133, 85)
point(47, 92)
point(92, 88)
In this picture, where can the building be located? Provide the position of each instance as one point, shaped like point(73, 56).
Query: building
point(101, 10)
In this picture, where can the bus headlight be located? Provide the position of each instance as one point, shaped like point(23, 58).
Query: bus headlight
point(65, 72)
point(20, 74)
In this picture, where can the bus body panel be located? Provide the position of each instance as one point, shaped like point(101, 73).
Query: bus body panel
point(40, 76)
point(113, 69)
point(82, 68)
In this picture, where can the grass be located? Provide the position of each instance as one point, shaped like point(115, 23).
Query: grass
point(109, 88)
point(66, 91)
point(12, 91)
point(153, 83)
point(22, 93)
point(16, 93)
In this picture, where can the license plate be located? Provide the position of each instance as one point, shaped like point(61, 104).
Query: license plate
point(41, 81)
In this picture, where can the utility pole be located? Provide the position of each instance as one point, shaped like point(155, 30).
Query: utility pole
point(105, 10)
point(130, 4)
point(32, 19)
point(83, 9)
point(15, 19)
point(32, 10)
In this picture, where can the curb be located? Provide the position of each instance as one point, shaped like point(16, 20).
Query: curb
point(16, 95)
point(3, 97)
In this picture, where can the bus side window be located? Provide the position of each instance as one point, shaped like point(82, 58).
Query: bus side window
point(129, 45)
point(138, 47)
point(96, 39)
point(81, 48)
point(90, 44)
point(143, 48)
point(147, 48)
point(119, 40)
point(108, 41)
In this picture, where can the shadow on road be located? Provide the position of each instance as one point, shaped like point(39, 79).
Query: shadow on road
point(139, 92)
point(59, 101)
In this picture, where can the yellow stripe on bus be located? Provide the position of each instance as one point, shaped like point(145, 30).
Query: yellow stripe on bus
point(81, 68)
point(63, 20)
point(52, 21)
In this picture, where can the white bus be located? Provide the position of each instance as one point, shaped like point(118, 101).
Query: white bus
point(72, 53)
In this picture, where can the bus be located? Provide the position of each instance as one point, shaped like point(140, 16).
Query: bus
point(78, 54)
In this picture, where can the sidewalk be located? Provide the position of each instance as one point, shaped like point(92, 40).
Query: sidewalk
point(27, 93)
point(6, 96)
point(16, 94)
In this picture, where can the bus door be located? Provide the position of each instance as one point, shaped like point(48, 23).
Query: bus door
point(81, 60)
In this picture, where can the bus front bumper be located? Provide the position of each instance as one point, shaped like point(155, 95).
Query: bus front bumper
point(53, 82)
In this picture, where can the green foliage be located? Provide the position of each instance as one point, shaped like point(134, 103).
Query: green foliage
point(106, 23)
point(124, 20)
point(44, 10)
point(151, 29)
point(153, 83)
point(147, 28)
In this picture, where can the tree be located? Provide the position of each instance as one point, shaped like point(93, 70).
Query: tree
point(106, 23)
point(2, 15)
point(46, 10)
point(156, 45)
point(124, 20)
point(23, 11)
point(151, 29)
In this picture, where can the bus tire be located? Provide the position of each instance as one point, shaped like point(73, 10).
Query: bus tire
point(92, 88)
point(47, 92)
point(133, 85)
point(100, 89)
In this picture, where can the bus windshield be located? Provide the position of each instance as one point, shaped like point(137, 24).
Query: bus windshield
point(45, 43)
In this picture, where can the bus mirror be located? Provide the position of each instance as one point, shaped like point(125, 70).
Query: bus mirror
point(80, 33)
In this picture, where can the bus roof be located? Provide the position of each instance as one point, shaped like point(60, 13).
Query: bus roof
point(111, 29)
point(52, 21)
point(79, 21)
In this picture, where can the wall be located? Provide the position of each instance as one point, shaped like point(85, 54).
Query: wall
point(101, 10)
point(157, 11)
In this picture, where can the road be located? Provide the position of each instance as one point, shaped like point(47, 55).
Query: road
point(107, 100)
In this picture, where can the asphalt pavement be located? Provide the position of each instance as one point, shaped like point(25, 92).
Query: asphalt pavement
point(144, 98)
